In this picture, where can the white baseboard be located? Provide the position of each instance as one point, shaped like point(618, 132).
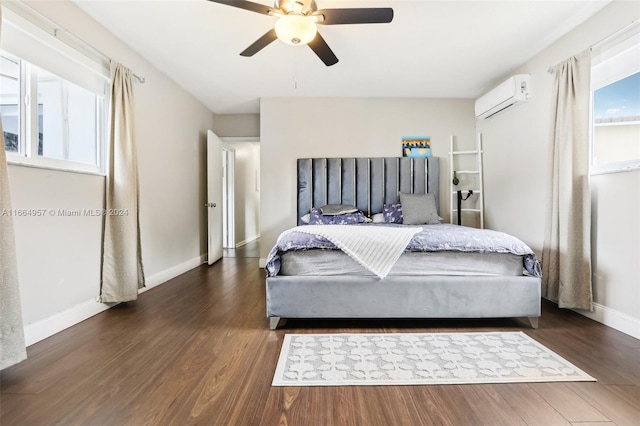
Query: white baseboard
point(53, 324)
point(247, 241)
point(49, 326)
point(164, 276)
point(262, 262)
point(614, 319)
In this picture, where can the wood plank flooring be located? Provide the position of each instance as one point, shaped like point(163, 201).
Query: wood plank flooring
point(197, 350)
point(250, 249)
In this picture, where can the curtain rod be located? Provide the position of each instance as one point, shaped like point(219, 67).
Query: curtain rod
point(551, 70)
point(51, 27)
point(104, 57)
point(610, 36)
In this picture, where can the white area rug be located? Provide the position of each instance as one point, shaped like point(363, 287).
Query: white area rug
point(419, 359)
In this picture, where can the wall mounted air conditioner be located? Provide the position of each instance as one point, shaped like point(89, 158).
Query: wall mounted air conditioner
point(514, 90)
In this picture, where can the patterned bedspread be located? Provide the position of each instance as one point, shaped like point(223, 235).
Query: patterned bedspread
point(442, 237)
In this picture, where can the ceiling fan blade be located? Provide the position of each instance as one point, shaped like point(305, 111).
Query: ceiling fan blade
point(322, 49)
point(374, 15)
point(260, 43)
point(247, 5)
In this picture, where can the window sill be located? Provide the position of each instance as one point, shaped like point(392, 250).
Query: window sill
point(53, 164)
point(623, 166)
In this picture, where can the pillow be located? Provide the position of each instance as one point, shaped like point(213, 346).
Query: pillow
point(317, 218)
point(378, 218)
point(418, 209)
point(305, 219)
point(336, 209)
point(392, 213)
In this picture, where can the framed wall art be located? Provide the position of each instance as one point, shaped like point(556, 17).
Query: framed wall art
point(416, 146)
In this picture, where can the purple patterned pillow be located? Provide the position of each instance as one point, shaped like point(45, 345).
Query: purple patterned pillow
point(317, 218)
point(392, 213)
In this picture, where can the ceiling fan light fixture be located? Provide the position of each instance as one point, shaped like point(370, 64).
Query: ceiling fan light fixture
point(296, 29)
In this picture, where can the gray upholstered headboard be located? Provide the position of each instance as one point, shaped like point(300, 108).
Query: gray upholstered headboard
point(367, 183)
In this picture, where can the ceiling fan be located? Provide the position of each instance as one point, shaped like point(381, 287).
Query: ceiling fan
point(297, 20)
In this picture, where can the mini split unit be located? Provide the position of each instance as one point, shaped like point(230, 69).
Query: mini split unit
point(514, 90)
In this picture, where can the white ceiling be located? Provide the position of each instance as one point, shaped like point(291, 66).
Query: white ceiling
point(432, 49)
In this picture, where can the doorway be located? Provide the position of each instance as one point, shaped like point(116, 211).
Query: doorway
point(228, 197)
point(241, 177)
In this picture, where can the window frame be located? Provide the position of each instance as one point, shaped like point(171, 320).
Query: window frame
point(27, 154)
point(22, 19)
point(619, 62)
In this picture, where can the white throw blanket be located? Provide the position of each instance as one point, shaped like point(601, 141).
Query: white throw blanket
point(377, 248)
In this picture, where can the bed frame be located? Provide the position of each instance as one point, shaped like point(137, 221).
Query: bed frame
point(369, 183)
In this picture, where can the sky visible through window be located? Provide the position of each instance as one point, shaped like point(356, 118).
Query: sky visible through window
point(619, 100)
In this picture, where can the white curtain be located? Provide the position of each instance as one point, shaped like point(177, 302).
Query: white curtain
point(122, 271)
point(566, 256)
point(12, 345)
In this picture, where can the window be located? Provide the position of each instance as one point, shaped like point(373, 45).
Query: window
point(52, 100)
point(615, 84)
point(10, 101)
point(616, 122)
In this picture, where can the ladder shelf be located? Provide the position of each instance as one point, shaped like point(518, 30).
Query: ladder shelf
point(473, 180)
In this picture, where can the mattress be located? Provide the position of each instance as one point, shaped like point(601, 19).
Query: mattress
point(335, 262)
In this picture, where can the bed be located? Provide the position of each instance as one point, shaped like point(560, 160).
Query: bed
point(440, 272)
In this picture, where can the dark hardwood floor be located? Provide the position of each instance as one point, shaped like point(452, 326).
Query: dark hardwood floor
point(197, 350)
point(251, 249)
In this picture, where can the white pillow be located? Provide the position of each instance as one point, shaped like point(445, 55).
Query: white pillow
point(378, 218)
point(336, 209)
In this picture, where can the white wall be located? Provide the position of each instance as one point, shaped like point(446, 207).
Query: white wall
point(516, 145)
point(237, 125)
point(330, 127)
point(59, 257)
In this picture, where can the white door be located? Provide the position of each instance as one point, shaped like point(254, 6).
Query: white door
point(214, 197)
